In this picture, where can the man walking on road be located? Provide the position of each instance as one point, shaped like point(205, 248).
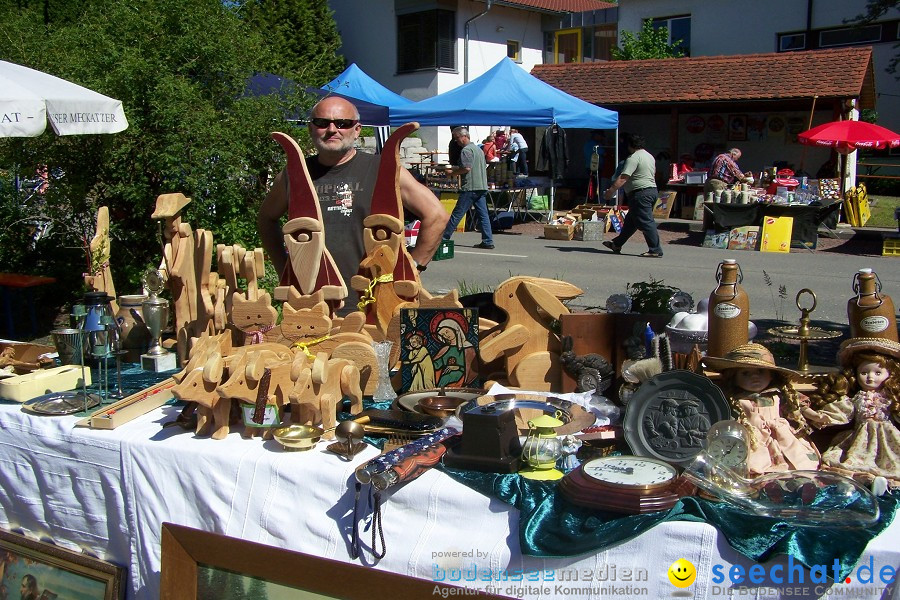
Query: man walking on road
point(638, 177)
point(473, 190)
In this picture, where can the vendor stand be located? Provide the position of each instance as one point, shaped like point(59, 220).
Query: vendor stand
point(807, 218)
point(110, 491)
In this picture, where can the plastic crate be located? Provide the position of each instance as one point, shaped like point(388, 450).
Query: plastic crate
point(891, 246)
point(444, 251)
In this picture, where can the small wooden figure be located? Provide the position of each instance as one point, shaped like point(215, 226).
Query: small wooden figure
point(319, 387)
point(531, 350)
point(763, 398)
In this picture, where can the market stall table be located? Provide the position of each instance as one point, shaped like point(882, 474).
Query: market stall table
point(807, 218)
point(109, 492)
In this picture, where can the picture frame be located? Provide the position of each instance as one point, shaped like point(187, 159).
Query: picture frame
point(55, 572)
point(192, 559)
point(737, 128)
point(438, 348)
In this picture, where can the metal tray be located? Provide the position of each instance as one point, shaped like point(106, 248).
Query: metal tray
point(574, 416)
point(60, 403)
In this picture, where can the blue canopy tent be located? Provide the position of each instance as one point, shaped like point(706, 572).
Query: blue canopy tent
point(262, 84)
point(356, 83)
point(507, 94)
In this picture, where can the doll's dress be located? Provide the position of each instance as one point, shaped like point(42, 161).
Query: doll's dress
point(872, 447)
point(778, 446)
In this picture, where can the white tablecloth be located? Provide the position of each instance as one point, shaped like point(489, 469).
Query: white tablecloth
point(109, 491)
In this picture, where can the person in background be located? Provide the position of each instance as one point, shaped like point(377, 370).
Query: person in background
point(344, 179)
point(473, 191)
point(489, 147)
point(725, 171)
point(29, 589)
point(638, 178)
point(501, 140)
point(518, 148)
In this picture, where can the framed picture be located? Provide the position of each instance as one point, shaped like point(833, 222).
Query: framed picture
point(663, 206)
point(438, 348)
point(737, 128)
point(198, 564)
point(43, 571)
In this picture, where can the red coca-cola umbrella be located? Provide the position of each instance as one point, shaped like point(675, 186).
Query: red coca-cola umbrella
point(847, 136)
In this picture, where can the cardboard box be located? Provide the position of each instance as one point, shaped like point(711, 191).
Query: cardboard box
point(590, 231)
point(26, 352)
point(559, 232)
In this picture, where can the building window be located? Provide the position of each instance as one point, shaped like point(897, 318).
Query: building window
point(514, 50)
point(426, 40)
point(604, 40)
point(850, 36)
point(567, 46)
point(679, 29)
point(792, 41)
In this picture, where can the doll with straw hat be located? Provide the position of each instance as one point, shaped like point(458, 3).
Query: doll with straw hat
point(763, 398)
point(867, 394)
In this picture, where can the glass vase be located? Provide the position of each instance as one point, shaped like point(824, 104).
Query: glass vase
point(383, 389)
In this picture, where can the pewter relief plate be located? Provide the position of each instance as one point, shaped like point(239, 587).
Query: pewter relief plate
point(668, 416)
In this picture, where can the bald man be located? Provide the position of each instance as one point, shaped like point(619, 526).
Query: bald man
point(344, 179)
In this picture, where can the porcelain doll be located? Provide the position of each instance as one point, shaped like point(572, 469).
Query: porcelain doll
point(867, 394)
point(763, 398)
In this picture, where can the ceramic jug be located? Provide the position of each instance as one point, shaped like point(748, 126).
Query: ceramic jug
point(729, 311)
point(871, 312)
point(135, 335)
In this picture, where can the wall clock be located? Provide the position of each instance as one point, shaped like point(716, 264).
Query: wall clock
point(626, 484)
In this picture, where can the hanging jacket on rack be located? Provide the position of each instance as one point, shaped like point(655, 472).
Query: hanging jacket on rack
point(553, 155)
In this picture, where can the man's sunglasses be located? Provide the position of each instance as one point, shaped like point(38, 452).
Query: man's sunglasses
point(339, 123)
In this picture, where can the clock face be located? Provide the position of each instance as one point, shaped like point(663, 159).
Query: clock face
point(726, 442)
point(630, 471)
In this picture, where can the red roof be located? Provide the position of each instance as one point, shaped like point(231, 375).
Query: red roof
point(562, 6)
point(835, 73)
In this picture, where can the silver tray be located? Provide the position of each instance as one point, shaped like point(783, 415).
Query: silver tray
point(574, 416)
point(61, 403)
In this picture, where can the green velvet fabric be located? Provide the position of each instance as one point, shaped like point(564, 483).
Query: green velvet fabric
point(550, 526)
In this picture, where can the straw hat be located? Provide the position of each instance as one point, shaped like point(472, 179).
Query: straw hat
point(169, 205)
point(748, 355)
point(874, 345)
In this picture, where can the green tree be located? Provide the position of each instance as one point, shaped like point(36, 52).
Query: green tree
point(180, 68)
point(649, 42)
point(301, 35)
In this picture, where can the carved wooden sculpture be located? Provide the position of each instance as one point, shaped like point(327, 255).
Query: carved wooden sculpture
point(530, 349)
point(387, 277)
point(253, 312)
point(178, 265)
point(319, 387)
point(99, 274)
point(247, 384)
point(310, 267)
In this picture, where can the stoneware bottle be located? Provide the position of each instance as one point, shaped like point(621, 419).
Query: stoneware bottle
point(870, 313)
point(729, 311)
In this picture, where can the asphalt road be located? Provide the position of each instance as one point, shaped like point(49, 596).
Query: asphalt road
point(689, 267)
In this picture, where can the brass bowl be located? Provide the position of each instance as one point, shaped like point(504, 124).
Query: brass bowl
point(440, 406)
point(298, 437)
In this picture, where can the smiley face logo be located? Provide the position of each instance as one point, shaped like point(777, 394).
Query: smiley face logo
point(682, 573)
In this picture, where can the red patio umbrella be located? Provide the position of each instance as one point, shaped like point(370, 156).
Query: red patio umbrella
point(846, 136)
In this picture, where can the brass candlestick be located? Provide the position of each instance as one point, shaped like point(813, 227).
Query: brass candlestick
point(804, 332)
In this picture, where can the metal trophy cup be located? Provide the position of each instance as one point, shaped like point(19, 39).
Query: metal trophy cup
point(156, 315)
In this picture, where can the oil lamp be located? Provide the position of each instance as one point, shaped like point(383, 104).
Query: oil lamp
point(542, 449)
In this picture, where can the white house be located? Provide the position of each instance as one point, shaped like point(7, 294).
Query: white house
point(421, 48)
